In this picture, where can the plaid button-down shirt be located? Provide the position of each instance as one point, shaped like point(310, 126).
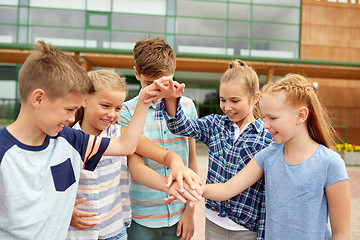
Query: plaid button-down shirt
point(227, 156)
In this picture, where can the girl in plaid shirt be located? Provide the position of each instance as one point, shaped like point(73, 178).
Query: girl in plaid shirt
point(233, 139)
point(306, 181)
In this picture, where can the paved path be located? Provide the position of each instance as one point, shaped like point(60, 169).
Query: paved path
point(354, 174)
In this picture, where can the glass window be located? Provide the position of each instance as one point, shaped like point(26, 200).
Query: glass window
point(126, 41)
point(23, 34)
point(9, 2)
point(59, 36)
point(96, 5)
point(239, 29)
point(238, 45)
point(8, 89)
point(201, 45)
point(275, 31)
point(8, 14)
point(153, 7)
point(276, 14)
point(99, 37)
point(100, 20)
point(239, 11)
point(23, 15)
point(201, 9)
point(279, 2)
point(138, 23)
point(63, 4)
point(7, 72)
point(274, 49)
point(201, 27)
point(8, 34)
point(55, 17)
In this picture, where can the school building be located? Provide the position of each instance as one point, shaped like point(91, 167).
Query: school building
point(317, 38)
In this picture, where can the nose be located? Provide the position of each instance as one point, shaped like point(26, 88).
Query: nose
point(266, 124)
point(71, 118)
point(111, 113)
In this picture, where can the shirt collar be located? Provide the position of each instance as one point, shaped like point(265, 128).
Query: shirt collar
point(258, 124)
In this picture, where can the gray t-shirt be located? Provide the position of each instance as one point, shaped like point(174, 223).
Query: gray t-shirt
point(296, 204)
point(38, 184)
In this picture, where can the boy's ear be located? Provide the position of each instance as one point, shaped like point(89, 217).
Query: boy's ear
point(137, 75)
point(302, 115)
point(37, 96)
point(84, 104)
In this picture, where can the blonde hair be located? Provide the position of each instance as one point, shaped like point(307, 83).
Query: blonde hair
point(53, 71)
point(154, 57)
point(102, 78)
point(300, 91)
point(245, 75)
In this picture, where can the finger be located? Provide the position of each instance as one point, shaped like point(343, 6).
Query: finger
point(83, 214)
point(179, 179)
point(79, 201)
point(169, 199)
point(178, 196)
point(170, 180)
point(178, 229)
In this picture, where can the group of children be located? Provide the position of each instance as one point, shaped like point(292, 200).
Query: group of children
point(271, 172)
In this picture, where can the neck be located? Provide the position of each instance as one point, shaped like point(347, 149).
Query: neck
point(26, 131)
point(299, 148)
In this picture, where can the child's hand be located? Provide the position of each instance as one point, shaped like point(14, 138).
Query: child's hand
point(180, 173)
point(181, 194)
point(163, 87)
point(169, 89)
point(77, 219)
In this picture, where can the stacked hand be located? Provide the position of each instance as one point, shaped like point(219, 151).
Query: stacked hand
point(164, 87)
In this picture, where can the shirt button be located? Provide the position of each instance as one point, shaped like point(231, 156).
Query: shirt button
point(164, 132)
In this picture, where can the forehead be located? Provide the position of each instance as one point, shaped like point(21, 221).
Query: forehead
point(273, 102)
point(70, 99)
point(232, 89)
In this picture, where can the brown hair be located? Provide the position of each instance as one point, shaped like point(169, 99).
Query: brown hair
point(102, 78)
point(300, 91)
point(244, 74)
point(53, 71)
point(154, 57)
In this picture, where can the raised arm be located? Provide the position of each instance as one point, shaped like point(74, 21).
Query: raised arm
point(238, 183)
point(126, 144)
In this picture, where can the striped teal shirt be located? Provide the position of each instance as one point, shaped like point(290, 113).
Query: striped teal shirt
point(106, 190)
point(147, 205)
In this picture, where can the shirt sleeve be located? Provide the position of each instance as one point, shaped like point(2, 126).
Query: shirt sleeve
point(125, 116)
point(336, 170)
point(181, 124)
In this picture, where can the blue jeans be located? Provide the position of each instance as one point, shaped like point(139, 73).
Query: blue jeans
point(120, 236)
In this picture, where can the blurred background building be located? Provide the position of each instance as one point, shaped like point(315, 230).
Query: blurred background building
point(317, 38)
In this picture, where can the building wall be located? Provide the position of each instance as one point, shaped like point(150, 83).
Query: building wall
point(330, 31)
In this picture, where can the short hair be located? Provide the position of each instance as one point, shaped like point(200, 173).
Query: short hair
point(154, 57)
point(53, 71)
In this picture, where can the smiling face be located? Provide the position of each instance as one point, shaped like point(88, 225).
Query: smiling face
point(235, 103)
point(53, 114)
point(280, 118)
point(102, 109)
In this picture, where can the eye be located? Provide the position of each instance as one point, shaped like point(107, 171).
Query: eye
point(118, 109)
point(105, 105)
